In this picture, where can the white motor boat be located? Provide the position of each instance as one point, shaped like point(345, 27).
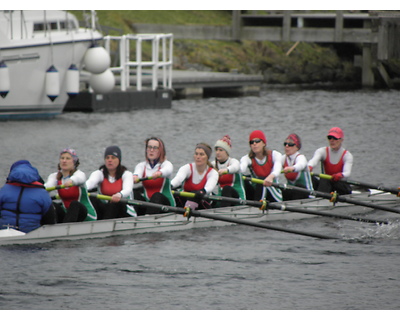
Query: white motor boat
point(41, 55)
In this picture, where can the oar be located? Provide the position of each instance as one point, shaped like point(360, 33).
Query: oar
point(362, 184)
point(144, 179)
point(56, 188)
point(327, 195)
point(282, 207)
point(197, 213)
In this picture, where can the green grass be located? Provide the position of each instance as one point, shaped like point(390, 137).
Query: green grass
point(123, 19)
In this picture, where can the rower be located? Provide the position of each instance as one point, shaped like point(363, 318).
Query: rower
point(69, 182)
point(263, 163)
point(335, 161)
point(115, 180)
point(230, 182)
point(155, 174)
point(295, 169)
point(199, 177)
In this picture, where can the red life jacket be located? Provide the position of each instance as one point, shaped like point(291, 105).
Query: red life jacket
point(330, 168)
point(262, 171)
point(108, 188)
point(69, 194)
point(152, 185)
point(291, 176)
point(189, 186)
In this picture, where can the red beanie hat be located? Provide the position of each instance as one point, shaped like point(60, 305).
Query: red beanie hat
point(258, 134)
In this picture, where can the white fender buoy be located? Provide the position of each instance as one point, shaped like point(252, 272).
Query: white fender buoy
point(103, 82)
point(72, 81)
point(96, 59)
point(52, 83)
point(4, 79)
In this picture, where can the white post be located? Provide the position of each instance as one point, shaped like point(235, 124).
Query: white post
point(93, 18)
point(139, 64)
point(164, 60)
point(170, 61)
point(122, 61)
point(126, 61)
point(155, 43)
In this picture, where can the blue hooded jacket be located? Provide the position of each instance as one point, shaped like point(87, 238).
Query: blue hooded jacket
point(23, 200)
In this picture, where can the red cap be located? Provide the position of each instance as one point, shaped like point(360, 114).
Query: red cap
point(258, 134)
point(336, 132)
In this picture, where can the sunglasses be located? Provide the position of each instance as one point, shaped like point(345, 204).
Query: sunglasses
point(289, 144)
point(332, 137)
point(255, 141)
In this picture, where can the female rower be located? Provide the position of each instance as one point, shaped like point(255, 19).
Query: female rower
point(230, 182)
point(335, 161)
point(263, 164)
point(114, 180)
point(295, 169)
point(199, 177)
point(75, 203)
point(155, 174)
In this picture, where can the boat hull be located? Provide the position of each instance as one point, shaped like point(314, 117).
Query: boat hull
point(176, 222)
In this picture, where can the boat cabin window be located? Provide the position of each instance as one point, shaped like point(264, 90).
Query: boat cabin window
point(54, 25)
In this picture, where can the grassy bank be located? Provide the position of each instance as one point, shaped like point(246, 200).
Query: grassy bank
point(307, 63)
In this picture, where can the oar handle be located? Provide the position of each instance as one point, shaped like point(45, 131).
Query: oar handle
point(255, 180)
point(184, 194)
point(146, 178)
point(323, 176)
point(57, 187)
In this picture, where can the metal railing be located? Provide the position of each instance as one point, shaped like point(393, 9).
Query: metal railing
point(159, 68)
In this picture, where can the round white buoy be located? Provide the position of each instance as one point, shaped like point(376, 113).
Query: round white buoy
point(103, 82)
point(52, 83)
point(96, 59)
point(4, 79)
point(72, 81)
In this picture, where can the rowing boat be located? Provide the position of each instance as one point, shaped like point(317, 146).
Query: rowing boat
point(177, 222)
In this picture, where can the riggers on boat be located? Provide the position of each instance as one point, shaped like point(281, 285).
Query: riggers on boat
point(172, 221)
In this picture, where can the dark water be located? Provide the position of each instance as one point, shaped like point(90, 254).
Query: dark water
point(226, 268)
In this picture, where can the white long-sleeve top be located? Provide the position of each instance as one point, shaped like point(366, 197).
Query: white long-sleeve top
point(78, 178)
point(166, 168)
point(184, 173)
point(97, 177)
point(232, 164)
point(245, 162)
point(320, 156)
point(300, 159)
